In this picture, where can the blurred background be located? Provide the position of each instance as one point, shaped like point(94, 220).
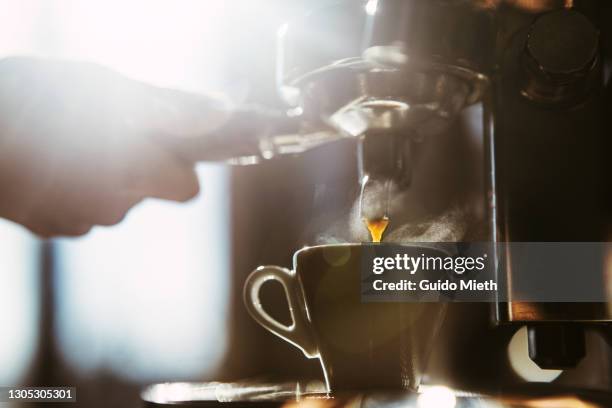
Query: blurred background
point(152, 298)
point(159, 297)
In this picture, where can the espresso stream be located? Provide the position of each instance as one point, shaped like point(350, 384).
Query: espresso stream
point(377, 227)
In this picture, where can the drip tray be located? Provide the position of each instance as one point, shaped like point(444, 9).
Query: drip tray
point(313, 395)
point(240, 394)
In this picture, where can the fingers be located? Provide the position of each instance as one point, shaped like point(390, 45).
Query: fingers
point(199, 127)
point(113, 209)
point(80, 153)
point(155, 172)
point(46, 231)
point(70, 217)
point(90, 193)
point(186, 115)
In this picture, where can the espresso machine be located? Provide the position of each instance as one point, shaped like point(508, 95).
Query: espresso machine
point(462, 120)
point(396, 75)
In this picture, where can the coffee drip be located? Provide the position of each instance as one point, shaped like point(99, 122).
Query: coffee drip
point(377, 227)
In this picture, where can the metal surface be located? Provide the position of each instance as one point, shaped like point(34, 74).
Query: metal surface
point(452, 33)
point(561, 59)
point(391, 75)
point(556, 346)
point(254, 394)
point(552, 153)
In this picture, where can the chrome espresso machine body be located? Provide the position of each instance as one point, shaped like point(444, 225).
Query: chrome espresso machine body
point(453, 121)
point(403, 79)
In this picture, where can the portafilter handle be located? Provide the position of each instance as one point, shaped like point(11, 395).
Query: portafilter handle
point(241, 134)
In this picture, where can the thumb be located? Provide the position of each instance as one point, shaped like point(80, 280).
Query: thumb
point(187, 115)
point(209, 128)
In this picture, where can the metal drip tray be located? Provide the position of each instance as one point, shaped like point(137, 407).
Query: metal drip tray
point(312, 395)
point(242, 394)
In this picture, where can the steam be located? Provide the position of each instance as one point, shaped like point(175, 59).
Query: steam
point(449, 226)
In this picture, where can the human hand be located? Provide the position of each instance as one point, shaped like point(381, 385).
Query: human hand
point(79, 144)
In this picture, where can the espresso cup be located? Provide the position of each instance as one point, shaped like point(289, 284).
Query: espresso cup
point(361, 346)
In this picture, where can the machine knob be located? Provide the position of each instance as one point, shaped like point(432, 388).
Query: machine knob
point(560, 59)
point(556, 346)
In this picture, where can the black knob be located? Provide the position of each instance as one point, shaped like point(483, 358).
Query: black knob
point(560, 58)
point(556, 346)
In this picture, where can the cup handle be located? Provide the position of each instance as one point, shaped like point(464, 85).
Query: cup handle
point(299, 332)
